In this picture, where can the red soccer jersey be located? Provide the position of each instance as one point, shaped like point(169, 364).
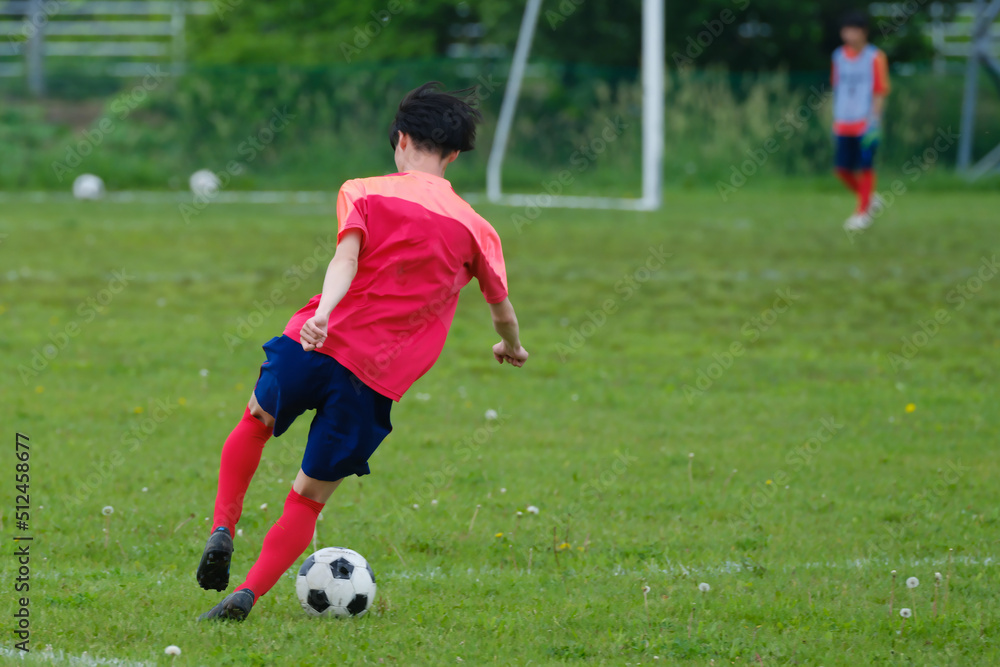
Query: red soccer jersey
point(421, 244)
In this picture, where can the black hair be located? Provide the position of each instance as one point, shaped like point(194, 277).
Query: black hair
point(438, 121)
point(854, 19)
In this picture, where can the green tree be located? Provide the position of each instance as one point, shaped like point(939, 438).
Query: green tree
point(739, 34)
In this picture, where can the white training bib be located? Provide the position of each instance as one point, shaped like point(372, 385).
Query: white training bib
point(855, 85)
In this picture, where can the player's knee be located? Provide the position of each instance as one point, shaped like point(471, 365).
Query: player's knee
point(258, 413)
point(314, 489)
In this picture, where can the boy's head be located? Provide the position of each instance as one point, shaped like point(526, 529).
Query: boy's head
point(854, 29)
point(430, 120)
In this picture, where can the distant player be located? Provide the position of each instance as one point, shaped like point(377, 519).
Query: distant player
point(406, 246)
point(860, 86)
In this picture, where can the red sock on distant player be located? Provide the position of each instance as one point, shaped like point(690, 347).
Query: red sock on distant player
point(240, 458)
point(849, 179)
point(284, 543)
point(866, 183)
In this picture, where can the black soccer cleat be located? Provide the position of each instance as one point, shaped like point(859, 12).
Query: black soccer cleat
point(235, 607)
point(213, 571)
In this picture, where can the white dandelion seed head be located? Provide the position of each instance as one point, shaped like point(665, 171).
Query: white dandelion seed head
point(893, 573)
point(491, 415)
point(912, 582)
point(691, 455)
point(145, 489)
point(503, 489)
point(434, 501)
point(937, 576)
point(172, 650)
point(645, 589)
point(108, 510)
point(416, 506)
point(532, 509)
point(204, 373)
point(905, 612)
point(519, 513)
point(703, 587)
point(239, 532)
point(263, 506)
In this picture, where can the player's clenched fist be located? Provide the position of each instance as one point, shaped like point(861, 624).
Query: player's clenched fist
point(514, 356)
point(313, 333)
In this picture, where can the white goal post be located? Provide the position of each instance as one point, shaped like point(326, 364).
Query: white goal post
point(652, 72)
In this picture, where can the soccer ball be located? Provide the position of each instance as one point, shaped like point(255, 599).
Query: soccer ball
point(204, 183)
point(88, 186)
point(336, 582)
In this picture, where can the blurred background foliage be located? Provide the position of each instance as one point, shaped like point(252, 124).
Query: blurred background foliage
point(340, 68)
point(767, 34)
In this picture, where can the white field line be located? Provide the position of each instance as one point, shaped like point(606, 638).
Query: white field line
point(177, 197)
point(670, 568)
point(728, 567)
point(184, 197)
point(304, 197)
point(63, 658)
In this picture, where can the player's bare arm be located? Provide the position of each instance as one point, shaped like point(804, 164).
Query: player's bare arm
point(878, 104)
point(505, 322)
point(339, 275)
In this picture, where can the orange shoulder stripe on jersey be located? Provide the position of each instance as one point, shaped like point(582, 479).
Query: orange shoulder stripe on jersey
point(881, 73)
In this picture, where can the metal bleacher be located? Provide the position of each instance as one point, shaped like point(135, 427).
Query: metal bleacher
point(118, 37)
point(949, 29)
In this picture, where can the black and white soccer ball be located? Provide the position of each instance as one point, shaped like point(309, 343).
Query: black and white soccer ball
point(336, 582)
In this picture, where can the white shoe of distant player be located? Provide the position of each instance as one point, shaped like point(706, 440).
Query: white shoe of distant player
point(876, 207)
point(858, 221)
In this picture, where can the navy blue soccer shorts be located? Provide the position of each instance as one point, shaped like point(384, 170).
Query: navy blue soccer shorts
point(351, 418)
point(851, 155)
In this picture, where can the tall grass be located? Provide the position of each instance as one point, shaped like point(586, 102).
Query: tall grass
point(715, 122)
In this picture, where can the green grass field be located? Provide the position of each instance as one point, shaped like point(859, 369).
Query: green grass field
point(837, 396)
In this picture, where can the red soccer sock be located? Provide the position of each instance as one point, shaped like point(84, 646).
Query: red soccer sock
point(240, 457)
point(284, 543)
point(866, 183)
point(849, 178)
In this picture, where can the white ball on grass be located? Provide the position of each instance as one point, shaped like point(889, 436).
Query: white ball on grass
point(88, 186)
point(204, 183)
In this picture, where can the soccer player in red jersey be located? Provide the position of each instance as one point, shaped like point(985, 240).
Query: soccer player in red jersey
point(406, 245)
point(860, 86)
